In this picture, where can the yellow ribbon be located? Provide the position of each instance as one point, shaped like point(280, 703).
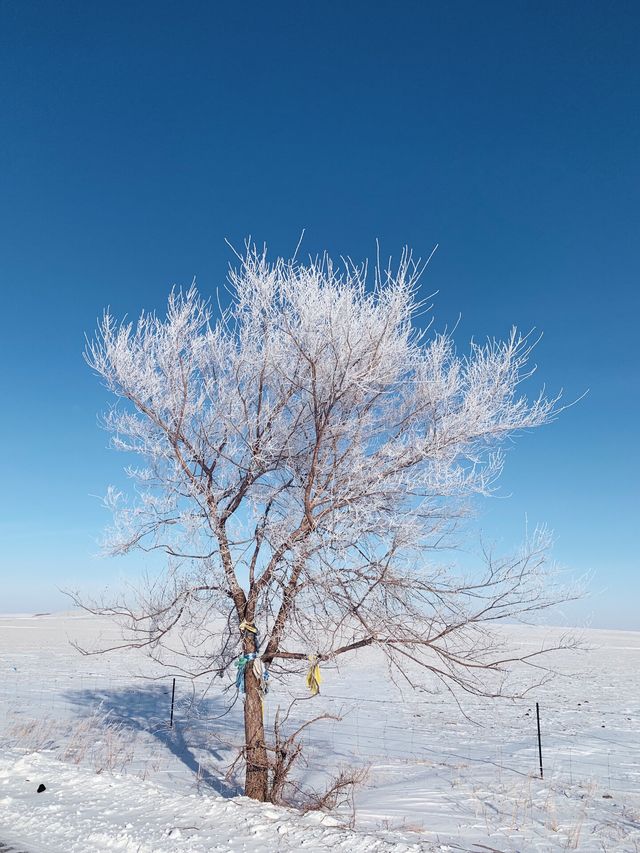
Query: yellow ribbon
point(244, 626)
point(314, 678)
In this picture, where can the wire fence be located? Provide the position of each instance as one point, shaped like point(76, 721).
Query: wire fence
point(124, 723)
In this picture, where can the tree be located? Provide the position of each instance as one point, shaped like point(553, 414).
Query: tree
point(305, 455)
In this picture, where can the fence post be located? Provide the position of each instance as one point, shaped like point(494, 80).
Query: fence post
point(539, 740)
point(173, 696)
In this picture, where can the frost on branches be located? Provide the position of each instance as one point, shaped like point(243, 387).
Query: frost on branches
point(304, 455)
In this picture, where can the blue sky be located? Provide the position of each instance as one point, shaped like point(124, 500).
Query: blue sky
point(136, 137)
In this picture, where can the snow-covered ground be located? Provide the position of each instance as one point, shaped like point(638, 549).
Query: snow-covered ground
point(81, 812)
point(96, 734)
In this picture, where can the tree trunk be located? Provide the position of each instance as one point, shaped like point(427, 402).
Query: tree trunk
point(256, 783)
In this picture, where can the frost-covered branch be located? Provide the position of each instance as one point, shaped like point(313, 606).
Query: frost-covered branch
point(303, 456)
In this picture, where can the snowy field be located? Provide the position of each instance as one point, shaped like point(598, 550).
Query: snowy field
point(96, 733)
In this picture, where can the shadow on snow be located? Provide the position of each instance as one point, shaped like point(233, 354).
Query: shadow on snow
point(200, 724)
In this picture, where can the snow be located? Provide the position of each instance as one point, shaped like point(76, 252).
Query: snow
point(81, 811)
point(119, 779)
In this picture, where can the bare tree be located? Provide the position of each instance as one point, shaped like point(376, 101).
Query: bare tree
point(305, 453)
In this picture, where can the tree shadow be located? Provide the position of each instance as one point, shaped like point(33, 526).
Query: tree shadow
point(145, 709)
point(202, 726)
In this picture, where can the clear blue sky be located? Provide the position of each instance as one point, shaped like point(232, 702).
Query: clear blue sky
point(135, 137)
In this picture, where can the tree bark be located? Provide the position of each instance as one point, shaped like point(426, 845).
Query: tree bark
point(256, 783)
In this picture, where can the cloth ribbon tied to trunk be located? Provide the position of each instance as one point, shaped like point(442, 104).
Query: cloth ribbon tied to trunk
point(259, 669)
point(314, 678)
point(246, 627)
point(261, 674)
point(241, 663)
